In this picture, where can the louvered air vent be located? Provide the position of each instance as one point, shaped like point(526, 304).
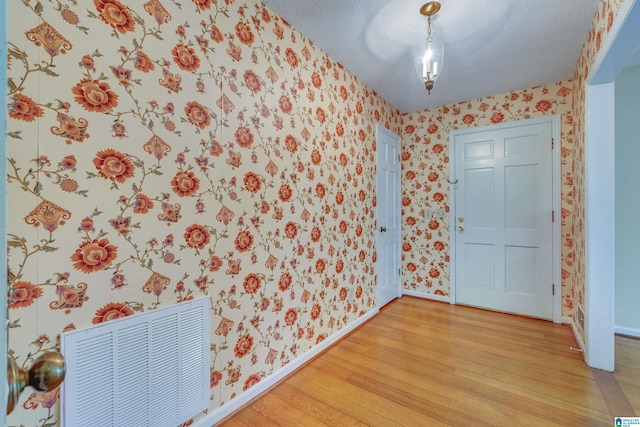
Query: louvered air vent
point(149, 369)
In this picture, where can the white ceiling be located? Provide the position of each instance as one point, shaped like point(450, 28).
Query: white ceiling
point(491, 46)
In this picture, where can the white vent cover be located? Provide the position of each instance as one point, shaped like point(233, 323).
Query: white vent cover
point(149, 369)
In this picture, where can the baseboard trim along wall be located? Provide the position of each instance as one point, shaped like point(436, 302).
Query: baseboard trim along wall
point(270, 381)
point(569, 321)
point(425, 295)
point(631, 332)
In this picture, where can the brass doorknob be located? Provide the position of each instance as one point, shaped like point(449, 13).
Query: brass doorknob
point(461, 228)
point(383, 229)
point(46, 373)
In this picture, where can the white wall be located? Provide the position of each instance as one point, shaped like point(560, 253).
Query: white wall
point(627, 202)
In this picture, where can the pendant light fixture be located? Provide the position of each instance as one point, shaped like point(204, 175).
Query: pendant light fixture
point(429, 55)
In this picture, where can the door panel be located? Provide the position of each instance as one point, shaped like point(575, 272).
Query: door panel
point(520, 197)
point(388, 215)
point(478, 150)
point(520, 273)
point(479, 198)
point(480, 260)
point(503, 235)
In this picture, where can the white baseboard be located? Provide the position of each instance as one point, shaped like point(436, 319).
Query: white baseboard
point(622, 330)
point(425, 295)
point(265, 384)
point(569, 321)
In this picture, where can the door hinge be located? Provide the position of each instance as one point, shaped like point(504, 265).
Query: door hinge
point(553, 289)
point(553, 144)
point(398, 158)
point(553, 216)
point(399, 272)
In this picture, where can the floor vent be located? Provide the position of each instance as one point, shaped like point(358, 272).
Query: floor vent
point(149, 369)
point(581, 317)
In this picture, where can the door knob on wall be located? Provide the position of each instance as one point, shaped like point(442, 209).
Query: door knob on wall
point(383, 229)
point(461, 228)
point(46, 373)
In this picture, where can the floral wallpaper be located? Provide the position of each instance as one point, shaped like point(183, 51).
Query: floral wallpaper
point(425, 174)
point(159, 151)
point(162, 150)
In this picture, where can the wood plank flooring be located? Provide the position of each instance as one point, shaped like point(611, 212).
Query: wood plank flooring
point(425, 363)
point(628, 370)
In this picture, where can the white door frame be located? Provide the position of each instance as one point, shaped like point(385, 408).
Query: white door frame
point(381, 129)
point(618, 46)
point(555, 132)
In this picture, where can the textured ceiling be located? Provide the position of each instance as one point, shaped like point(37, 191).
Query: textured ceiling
point(491, 46)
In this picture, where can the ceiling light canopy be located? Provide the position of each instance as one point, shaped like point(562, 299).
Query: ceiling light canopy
point(429, 55)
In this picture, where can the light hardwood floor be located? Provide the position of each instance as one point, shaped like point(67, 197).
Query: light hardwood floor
point(425, 363)
point(628, 369)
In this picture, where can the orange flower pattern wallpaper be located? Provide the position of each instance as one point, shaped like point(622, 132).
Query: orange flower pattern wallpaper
point(159, 151)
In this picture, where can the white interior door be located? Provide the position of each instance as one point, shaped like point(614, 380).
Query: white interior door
point(388, 215)
point(503, 219)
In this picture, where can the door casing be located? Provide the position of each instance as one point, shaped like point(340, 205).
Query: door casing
point(556, 230)
point(615, 52)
